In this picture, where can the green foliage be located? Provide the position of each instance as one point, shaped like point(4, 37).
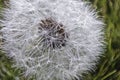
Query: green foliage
point(7, 72)
point(109, 65)
point(1, 3)
point(108, 68)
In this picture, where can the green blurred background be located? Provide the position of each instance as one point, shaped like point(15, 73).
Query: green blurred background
point(108, 68)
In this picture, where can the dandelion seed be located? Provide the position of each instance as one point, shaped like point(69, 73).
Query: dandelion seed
point(52, 39)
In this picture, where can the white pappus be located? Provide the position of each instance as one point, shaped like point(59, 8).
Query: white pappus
point(52, 39)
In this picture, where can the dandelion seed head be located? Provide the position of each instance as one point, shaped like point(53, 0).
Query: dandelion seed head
point(52, 39)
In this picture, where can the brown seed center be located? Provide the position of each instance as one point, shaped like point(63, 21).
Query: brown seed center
point(53, 34)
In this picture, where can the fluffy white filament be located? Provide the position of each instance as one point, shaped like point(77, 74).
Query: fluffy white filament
point(23, 41)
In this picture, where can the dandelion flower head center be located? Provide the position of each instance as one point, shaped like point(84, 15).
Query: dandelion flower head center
point(53, 34)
